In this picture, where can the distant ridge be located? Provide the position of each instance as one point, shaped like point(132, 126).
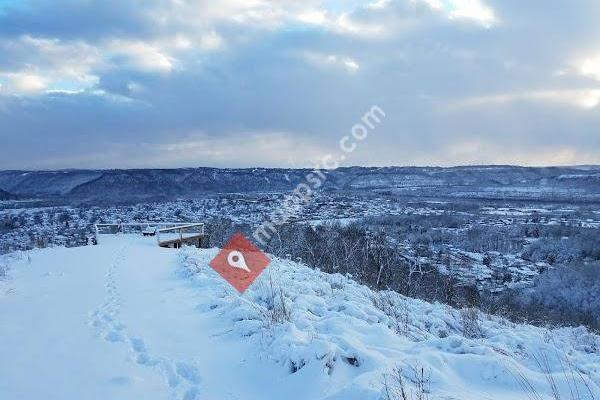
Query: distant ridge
point(5, 195)
point(141, 184)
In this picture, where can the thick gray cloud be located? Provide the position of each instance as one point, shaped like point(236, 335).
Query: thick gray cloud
point(278, 83)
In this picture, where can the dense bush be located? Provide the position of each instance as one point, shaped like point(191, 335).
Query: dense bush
point(582, 245)
point(567, 293)
point(564, 295)
point(552, 252)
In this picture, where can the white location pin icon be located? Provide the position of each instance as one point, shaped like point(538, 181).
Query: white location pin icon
point(235, 259)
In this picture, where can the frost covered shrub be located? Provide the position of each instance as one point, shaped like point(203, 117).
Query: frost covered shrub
point(413, 384)
point(584, 244)
point(484, 238)
point(552, 252)
point(578, 385)
point(273, 309)
point(589, 242)
point(470, 323)
point(566, 295)
point(393, 307)
point(586, 341)
point(220, 230)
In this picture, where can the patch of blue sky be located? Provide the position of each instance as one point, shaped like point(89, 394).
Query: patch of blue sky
point(6, 5)
point(68, 86)
point(341, 6)
point(448, 5)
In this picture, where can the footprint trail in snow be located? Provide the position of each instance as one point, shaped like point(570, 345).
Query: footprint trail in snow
point(182, 378)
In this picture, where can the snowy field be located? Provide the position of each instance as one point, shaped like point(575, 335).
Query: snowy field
point(129, 320)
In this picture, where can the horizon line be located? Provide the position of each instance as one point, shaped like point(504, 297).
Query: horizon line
point(75, 169)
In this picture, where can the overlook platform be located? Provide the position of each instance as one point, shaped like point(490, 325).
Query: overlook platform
point(168, 235)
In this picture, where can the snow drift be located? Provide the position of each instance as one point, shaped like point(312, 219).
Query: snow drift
point(126, 319)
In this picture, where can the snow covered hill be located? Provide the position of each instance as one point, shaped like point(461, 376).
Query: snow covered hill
point(128, 320)
point(468, 181)
point(5, 195)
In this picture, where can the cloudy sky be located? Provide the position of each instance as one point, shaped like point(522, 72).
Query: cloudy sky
point(237, 83)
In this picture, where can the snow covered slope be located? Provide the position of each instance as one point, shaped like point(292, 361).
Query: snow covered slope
point(128, 320)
